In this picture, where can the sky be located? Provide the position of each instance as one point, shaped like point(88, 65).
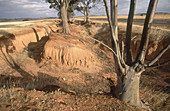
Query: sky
point(39, 8)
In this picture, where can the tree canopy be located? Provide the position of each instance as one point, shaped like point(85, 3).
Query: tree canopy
point(84, 6)
point(71, 5)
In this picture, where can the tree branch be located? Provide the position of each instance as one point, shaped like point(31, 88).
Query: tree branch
point(82, 12)
point(114, 20)
point(113, 9)
point(129, 31)
point(115, 43)
point(57, 2)
point(159, 55)
point(123, 45)
point(67, 3)
point(158, 65)
point(133, 38)
point(100, 43)
point(54, 6)
point(146, 30)
point(105, 46)
point(83, 2)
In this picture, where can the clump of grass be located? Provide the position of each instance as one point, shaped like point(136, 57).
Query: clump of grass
point(156, 99)
point(12, 99)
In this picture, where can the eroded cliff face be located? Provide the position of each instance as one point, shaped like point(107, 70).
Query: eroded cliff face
point(44, 56)
point(21, 39)
point(69, 51)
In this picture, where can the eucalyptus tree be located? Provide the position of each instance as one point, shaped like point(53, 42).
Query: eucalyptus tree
point(84, 6)
point(72, 8)
point(129, 69)
point(61, 6)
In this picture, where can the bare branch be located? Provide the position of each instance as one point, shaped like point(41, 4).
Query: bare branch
point(105, 46)
point(54, 6)
point(113, 7)
point(114, 16)
point(115, 43)
point(101, 43)
point(82, 12)
point(123, 45)
point(129, 31)
point(133, 38)
point(67, 3)
point(158, 65)
point(146, 30)
point(159, 55)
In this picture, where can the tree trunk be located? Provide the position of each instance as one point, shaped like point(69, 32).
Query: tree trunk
point(130, 93)
point(84, 12)
point(64, 19)
point(68, 16)
point(87, 14)
point(113, 11)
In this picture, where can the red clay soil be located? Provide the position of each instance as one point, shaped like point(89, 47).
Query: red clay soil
point(33, 100)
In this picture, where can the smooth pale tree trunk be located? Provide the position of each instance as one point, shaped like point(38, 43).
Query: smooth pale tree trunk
point(66, 28)
point(130, 92)
point(131, 70)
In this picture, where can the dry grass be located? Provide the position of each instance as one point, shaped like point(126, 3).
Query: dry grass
point(156, 99)
point(157, 16)
point(17, 99)
point(10, 98)
point(20, 26)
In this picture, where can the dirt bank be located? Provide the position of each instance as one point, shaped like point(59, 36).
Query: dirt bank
point(74, 67)
point(24, 35)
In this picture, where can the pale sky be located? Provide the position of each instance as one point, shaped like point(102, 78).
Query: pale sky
point(38, 8)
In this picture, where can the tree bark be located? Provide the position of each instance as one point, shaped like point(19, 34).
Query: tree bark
point(146, 31)
point(159, 55)
point(87, 14)
point(113, 10)
point(130, 93)
point(114, 40)
point(129, 31)
point(66, 28)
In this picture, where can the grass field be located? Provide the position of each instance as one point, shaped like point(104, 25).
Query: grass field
point(157, 16)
